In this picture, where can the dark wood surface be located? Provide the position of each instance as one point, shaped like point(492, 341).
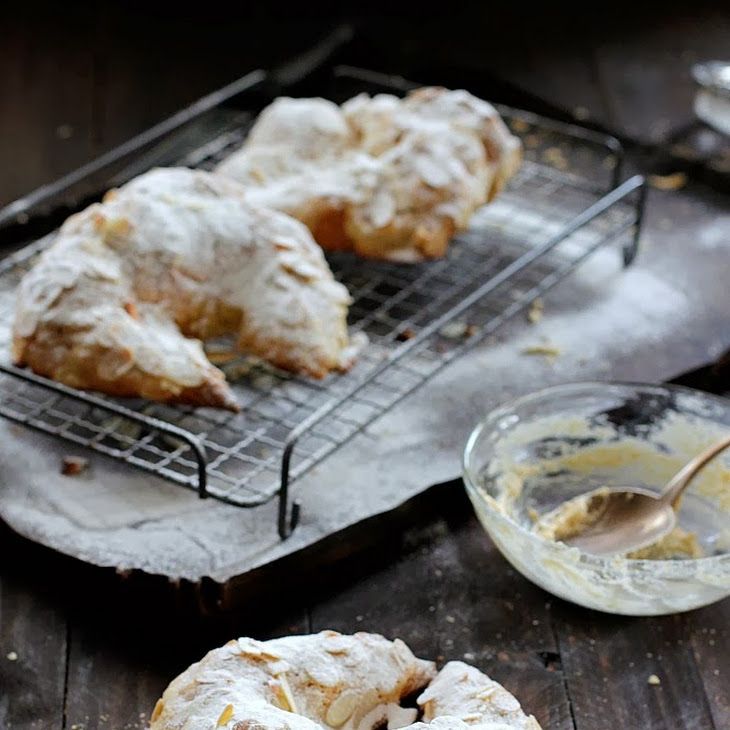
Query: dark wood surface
point(95, 650)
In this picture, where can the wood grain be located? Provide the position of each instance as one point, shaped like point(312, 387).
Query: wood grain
point(608, 662)
point(33, 650)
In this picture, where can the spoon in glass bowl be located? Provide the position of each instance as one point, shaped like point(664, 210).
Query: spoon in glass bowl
point(630, 518)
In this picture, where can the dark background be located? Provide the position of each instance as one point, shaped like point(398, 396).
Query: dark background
point(79, 78)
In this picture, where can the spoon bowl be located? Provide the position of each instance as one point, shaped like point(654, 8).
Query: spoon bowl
point(630, 519)
point(626, 519)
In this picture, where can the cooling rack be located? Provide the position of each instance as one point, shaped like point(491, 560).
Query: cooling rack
point(416, 319)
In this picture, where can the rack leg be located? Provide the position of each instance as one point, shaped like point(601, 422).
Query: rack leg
point(288, 519)
point(632, 248)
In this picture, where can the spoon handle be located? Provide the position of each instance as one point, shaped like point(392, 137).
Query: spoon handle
point(672, 492)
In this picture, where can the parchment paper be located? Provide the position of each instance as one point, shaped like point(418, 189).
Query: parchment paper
point(667, 313)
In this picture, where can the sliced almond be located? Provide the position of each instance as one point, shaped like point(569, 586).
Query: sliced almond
point(225, 716)
point(342, 708)
point(286, 696)
point(159, 707)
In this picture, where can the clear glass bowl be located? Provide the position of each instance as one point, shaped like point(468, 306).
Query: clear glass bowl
point(530, 455)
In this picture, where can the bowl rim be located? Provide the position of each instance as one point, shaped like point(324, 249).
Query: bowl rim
point(677, 566)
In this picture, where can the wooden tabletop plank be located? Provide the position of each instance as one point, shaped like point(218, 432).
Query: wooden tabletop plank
point(452, 596)
point(32, 655)
point(612, 666)
point(45, 98)
point(709, 637)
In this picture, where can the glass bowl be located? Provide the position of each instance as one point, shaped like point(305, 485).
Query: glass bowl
point(530, 455)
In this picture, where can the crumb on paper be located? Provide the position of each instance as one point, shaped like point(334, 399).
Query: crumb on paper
point(555, 157)
point(546, 350)
point(536, 311)
point(454, 330)
point(653, 679)
point(675, 181)
point(73, 465)
point(520, 125)
point(458, 330)
point(405, 335)
point(12, 656)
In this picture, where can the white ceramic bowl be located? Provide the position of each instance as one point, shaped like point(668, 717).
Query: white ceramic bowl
point(567, 440)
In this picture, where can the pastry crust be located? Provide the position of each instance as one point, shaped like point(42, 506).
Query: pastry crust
point(385, 177)
point(177, 254)
point(329, 680)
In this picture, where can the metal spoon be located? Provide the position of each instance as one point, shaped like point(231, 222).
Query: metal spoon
point(633, 518)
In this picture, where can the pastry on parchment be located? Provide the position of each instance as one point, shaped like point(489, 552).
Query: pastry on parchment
point(385, 177)
point(330, 680)
point(121, 300)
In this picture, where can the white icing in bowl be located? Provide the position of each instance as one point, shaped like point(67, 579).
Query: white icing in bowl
point(537, 451)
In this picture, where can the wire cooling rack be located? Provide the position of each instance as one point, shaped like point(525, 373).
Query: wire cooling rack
point(416, 318)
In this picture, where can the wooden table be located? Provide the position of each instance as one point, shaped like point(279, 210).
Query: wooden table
point(95, 651)
point(82, 648)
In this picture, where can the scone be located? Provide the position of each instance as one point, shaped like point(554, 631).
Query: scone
point(330, 680)
point(122, 299)
point(385, 177)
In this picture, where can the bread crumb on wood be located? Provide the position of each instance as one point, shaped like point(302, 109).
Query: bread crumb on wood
point(12, 656)
point(653, 679)
point(73, 465)
point(675, 181)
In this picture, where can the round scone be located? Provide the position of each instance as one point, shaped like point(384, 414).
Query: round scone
point(330, 680)
point(385, 177)
point(114, 304)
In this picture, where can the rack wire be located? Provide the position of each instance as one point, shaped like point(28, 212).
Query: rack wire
point(416, 318)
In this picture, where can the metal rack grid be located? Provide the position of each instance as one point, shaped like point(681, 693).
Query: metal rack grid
point(417, 318)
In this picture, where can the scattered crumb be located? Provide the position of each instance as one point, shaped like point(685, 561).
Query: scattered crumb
point(450, 619)
point(555, 157)
point(405, 335)
point(520, 125)
point(581, 113)
point(536, 311)
point(653, 679)
point(73, 465)
point(531, 141)
point(12, 656)
point(359, 618)
point(548, 351)
point(675, 181)
point(469, 656)
point(471, 330)
point(454, 330)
